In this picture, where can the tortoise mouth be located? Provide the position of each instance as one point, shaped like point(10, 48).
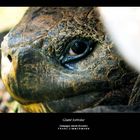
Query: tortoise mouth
point(67, 105)
point(62, 103)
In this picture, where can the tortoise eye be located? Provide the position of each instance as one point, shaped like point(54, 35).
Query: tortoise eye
point(76, 50)
point(77, 47)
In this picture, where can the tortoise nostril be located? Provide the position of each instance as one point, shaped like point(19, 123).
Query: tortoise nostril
point(10, 58)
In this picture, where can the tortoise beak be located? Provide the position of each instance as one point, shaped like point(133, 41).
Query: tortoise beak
point(11, 70)
point(9, 64)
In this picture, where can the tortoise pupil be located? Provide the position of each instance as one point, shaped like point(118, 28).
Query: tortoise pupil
point(78, 47)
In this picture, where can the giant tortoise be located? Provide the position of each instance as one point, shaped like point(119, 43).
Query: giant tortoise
point(60, 59)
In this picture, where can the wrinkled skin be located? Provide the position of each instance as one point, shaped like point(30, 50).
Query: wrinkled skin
point(43, 71)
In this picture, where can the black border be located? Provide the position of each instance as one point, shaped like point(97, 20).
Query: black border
point(101, 124)
point(69, 3)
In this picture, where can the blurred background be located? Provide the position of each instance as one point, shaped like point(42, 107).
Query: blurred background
point(9, 17)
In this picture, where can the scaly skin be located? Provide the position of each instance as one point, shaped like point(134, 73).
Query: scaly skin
point(34, 54)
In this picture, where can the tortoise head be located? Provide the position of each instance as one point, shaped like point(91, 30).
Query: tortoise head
point(58, 60)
